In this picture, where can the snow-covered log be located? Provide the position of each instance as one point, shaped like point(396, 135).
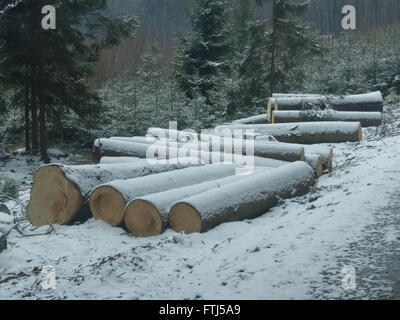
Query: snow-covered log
point(278, 151)
point(148, 215)
point(139, 139)
point(261, 148)
point(59, 192)
point(262, 118)
point(315, 162)
point(264, 149)
point(195, 144)
point(326, 153)
point(369, 102)
point(108, 160)
point(271, 163)
point(244, 199)
point(304, 132)
point(107, 201)
point(367, 119)
point(295, 95)
point(161, 150)
point(165, 149)
point(171, 134)
point(117, 148)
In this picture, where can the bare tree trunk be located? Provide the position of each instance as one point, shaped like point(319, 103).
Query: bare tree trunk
point(35, 140)
point(27, 121)
point(42, 119)
point(43, 133)
point(273, 49)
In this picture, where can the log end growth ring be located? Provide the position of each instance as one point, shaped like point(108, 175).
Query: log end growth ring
point(184, 218)
point(143, 219)
point(54, 198)
point(108, 205)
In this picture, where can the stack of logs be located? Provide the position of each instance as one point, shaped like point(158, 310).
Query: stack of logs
point(288, 108)
point(190, 182)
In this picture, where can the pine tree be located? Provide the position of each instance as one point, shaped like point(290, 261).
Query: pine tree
point(52, 65)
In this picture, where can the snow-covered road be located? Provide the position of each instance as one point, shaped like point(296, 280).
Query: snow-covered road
point(295, 251)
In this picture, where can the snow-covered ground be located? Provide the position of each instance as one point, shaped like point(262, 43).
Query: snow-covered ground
point(295, 251)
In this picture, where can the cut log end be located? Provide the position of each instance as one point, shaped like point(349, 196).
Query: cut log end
point(302, 156)
point(319, 171)
point(184, 218)
point(55, 205)
point(269, 111)
point(108, 205)
point(316, 163)
point(143, 219)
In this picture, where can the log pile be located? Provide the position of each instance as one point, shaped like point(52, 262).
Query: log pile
point(208, 144)
point(193, 182)
point(148, 215)
point(284, 108)
point(107, 201)
point(369, 102)
point(60, 192)
point(221, 149)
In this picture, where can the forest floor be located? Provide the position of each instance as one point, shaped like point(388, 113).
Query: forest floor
point(295, 251)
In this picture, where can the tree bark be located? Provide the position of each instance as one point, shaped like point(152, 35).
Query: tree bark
point(43, 133)
point(244, 199)
point(369, 102)
point(367, 119)
point(28, 148)
point(42, 116)
point(304, 132)
point(35, 139)
point(273, 47)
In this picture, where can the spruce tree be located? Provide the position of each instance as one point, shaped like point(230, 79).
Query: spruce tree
point(202, 53)
point(289, 42)
point(275, 51)
point(52, 65)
